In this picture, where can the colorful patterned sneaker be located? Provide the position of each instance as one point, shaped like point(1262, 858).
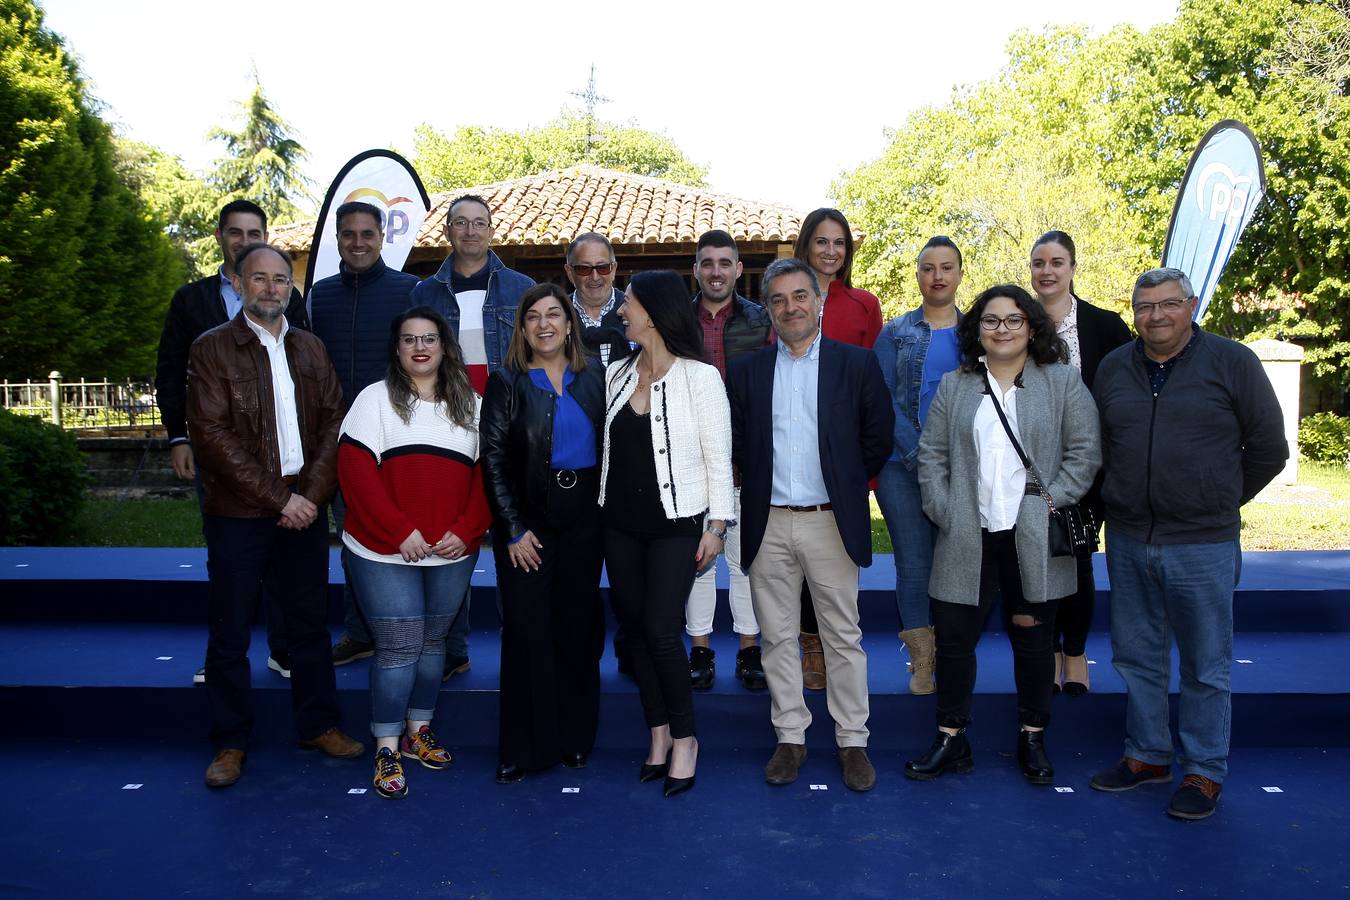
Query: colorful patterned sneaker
point(389, 779)
point(426, 748)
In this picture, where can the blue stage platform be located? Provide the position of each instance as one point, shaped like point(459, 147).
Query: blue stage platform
point(105, 738)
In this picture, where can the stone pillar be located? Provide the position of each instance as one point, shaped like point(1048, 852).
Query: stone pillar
point(1282, 362)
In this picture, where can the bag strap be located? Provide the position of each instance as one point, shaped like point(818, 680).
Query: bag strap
point(1026, 463)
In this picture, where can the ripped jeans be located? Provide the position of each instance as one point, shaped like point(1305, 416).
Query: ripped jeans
point(409, 609)
point(958, 627)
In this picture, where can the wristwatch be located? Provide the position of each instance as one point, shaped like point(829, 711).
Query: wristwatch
point(720, 533)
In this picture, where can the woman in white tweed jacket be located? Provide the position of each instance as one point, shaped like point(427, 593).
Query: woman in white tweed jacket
point(993, 524)
point(666, 469)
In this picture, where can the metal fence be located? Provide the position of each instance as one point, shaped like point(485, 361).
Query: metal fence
point(83, 404)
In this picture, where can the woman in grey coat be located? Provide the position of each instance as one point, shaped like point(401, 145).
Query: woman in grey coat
point(986, 507)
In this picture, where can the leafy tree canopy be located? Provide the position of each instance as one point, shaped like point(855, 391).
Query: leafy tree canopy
point(85, 268)
point(475, 155)
point(1091, 134)
point(263, 160)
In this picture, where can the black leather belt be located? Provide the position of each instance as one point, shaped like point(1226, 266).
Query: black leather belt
point(818, 508)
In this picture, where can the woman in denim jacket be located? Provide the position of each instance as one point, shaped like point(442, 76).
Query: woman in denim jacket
point(915, 351)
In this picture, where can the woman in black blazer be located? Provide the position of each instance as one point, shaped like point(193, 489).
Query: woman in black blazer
point(1090, 333)
point(541, 446)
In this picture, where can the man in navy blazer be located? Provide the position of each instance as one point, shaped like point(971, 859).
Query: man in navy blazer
point(811, 424)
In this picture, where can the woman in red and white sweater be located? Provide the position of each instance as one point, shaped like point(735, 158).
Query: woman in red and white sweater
point(416, 514)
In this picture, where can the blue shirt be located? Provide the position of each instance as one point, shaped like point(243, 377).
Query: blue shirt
point(573, 431)
point(797, 478)
point(229, 296)
point(944, 355)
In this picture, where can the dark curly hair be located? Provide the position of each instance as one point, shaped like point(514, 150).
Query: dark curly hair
point(1045, 347)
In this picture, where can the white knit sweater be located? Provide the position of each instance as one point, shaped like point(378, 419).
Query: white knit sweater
point(691, 436)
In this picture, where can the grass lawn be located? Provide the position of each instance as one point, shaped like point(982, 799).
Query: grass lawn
point(1311, 515)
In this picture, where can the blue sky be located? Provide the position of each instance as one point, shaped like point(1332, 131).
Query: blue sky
point(777, 99)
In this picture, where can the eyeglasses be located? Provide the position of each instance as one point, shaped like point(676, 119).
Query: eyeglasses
point(428, 340)
point(601, 269)
point(262, 279)
point(1172, 305)
point(1013, 322)
point(462, 224)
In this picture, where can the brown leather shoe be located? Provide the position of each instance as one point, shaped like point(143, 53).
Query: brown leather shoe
point(335, 744)
point(813, 662)
point(783, 765)
point(858, 772)
point(225, 769)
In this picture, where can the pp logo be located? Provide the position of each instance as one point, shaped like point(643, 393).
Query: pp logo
point(397, 224)
point(1228, 195)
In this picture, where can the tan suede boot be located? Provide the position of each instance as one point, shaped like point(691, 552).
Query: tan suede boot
point(922, 654)
point(813, 662)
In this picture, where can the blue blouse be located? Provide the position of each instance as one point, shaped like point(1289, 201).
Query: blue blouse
point(944, 355)
point(573, 432)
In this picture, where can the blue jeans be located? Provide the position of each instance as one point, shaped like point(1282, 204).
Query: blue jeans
point(409, 609)
point(1186, 590)
point(912, 537)
point(352, 622)
point(457, 639)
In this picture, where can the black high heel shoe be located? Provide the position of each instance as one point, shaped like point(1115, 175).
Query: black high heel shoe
point(678, 785)
point(651, 772)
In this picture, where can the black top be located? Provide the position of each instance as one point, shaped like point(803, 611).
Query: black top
point(633, 502)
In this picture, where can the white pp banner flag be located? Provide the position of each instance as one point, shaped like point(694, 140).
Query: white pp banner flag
point(388, 182)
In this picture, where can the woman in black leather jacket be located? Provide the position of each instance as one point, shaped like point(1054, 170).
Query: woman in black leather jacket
point(540, 448)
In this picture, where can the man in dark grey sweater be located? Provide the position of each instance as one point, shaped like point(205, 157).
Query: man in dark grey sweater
point(1191, 430)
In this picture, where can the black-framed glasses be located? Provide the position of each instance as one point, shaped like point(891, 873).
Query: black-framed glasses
point(601, 269)
point(1013, 322)
point(430, 339)
point(462, 224)
point(1170, 306)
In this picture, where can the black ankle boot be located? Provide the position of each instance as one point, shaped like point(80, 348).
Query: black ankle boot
point(702, 669)
point(949, 753)
point(1031, 756)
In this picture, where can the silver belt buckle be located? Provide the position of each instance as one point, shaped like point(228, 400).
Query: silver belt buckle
point(566, 478)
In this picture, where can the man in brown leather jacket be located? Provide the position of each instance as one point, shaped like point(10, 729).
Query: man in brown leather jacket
point(264, 410)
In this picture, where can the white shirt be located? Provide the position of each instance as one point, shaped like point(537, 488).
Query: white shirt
point(283, 390)
point(471, 340)
point(1067, 330)
point(1003, 478)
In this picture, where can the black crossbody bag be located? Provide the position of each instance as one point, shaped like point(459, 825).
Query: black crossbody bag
point(1073, 529)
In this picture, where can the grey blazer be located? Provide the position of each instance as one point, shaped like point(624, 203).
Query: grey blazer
point(1058, 428)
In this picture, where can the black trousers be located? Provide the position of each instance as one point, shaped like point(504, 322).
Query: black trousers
point(649, 580)
point(1073, 619)
point(271, 600)
point(240, 553)
point(553, 634)
point(957, 628)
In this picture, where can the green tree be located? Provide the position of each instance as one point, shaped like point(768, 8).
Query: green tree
point(997, 166)
point(474, 155)
point(1256, 61)
point(263, 160)
point(175, 196)
point(85, 268)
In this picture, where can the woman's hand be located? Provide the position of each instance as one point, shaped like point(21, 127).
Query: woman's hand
point(524, 553)
point(709, 545)
point(450, 546)
point(414, 547)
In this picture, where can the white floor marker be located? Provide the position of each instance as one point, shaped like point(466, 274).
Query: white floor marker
point(1273, 790)
point(132, 787)
point(1063, 790)
point(1245, 662)
point(163, 658)
point(820, 787)
point(357, 791)
point(571, 790)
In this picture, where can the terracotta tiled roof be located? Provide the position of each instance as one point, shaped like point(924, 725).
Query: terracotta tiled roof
point(552, 208)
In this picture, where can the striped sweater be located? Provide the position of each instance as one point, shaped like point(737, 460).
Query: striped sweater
point(395, 478)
